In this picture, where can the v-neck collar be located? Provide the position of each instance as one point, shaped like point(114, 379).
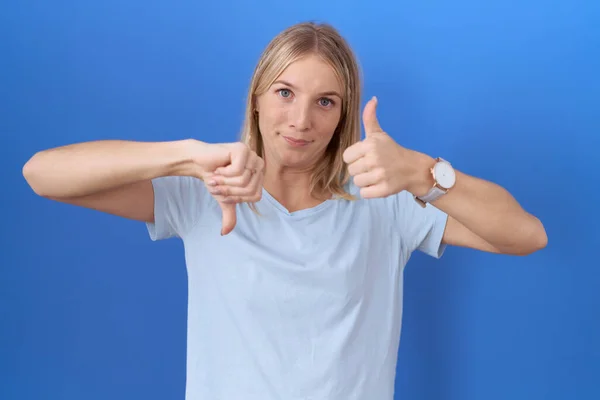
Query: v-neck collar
point(296, 214)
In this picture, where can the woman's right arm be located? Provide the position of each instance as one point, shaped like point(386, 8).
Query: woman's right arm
point(112, 176)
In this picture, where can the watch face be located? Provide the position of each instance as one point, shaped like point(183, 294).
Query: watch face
point(444, 174)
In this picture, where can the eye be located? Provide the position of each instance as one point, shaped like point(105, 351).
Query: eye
point(326, 102)
point(285, 93)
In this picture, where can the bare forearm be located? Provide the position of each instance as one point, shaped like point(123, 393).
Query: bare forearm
point(490, 211)
point(85, 168)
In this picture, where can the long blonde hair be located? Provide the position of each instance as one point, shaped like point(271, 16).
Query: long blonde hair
point(297, 41)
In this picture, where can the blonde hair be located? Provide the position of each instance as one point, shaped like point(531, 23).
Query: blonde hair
point(295, 42)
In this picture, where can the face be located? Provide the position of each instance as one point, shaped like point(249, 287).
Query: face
point(299, 113)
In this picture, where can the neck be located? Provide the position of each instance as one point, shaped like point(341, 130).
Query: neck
point(291, 187)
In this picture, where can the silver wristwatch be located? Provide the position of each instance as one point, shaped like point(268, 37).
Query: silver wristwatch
point(444, 178)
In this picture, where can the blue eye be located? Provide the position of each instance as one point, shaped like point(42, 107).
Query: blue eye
point(284, 92)
point(325, 102)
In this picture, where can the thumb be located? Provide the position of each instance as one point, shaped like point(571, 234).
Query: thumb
point(229, 218)
point(370, 121)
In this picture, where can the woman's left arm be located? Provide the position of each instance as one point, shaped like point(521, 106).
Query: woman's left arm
point(481, 214)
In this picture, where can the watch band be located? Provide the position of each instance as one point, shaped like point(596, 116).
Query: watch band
point(433, 194)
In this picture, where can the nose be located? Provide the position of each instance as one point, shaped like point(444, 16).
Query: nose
point(300, 116)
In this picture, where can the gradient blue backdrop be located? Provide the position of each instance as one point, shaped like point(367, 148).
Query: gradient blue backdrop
point(91, 309)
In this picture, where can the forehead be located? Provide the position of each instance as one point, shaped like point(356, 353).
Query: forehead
point(311, 74)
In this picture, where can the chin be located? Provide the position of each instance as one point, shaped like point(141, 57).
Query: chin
point(296, 159)
point(299, 161)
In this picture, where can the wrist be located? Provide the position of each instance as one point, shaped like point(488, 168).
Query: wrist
point(421, 180)
point(181, 157)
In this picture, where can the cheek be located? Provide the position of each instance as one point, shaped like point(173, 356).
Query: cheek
point(329, 124)
point(271, 118)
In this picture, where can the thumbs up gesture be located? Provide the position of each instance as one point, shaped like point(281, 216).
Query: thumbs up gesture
point(379, 165)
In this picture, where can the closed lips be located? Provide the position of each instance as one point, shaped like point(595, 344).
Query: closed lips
point(297, 141)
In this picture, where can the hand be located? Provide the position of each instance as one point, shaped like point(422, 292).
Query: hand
point(379, 165)
point(233, 174)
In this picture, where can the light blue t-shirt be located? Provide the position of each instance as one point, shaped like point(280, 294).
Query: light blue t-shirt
point(289, 306)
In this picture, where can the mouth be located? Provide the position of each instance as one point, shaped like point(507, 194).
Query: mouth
point(296, 142)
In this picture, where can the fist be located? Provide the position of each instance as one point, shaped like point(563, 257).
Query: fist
point(380, 167)
point(232, 174)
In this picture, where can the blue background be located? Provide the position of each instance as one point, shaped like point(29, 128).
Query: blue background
point(90, 308)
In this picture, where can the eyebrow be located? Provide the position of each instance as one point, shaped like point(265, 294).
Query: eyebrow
point(328, 93)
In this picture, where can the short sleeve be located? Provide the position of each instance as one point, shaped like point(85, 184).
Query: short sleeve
point(421, 228)
point(178, 202)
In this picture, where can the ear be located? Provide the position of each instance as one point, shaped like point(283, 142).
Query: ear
point(256, 103)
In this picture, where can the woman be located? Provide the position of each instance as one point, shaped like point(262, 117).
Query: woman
point(295, 238)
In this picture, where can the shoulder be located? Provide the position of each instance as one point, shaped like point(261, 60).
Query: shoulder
point(401, 210)
point(179, 203)
point(175, 184)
